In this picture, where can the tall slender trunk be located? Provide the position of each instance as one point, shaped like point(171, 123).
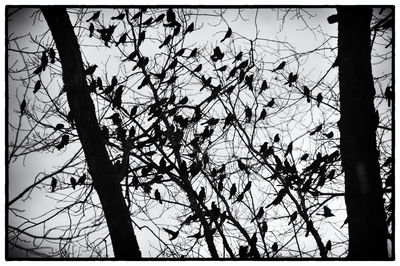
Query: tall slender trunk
point(358, 123)
point(100, 167)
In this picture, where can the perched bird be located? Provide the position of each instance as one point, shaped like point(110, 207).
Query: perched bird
point(173, 64)
point(248, 114)
point(276, 138)
point(293, 217)
point(94, 16)
point(119, 17)
point(73, 182)
point(53, 184)
point(81, 179)
point(274, 247)
point(44, 60)
point(217, 55)
point(232, 191)
point(115, 118)
point(145, 82)
point(280, 66)
point(157, 196)
point(137, 15)
point(170, 15)
point(259, 214)
point(307, 93)
point(389, 95)
point(304, 157)
point(198, 68)
point(22, 106)
point(319, 99)
point(59, 126)
point(90, 70)
point(193, 53)
point(227, 34)
point(270, 103)
point(328, 246)
point(52, 55)
point(37, 70)
point(131, 56)
point(238, 57)
point(264, 86)
point(180, 52)
point(242, 166)
point(239, 197)
point(291, 79)
point(211, 122)
point(316, 130)
point(37, 86)
point(243, 252)
point(289, 148)
point(264, 228)
point(184, 100)
point(279, 198)
point(142, 36)
point(262, 115)
point(116, 101)
point(122, 39)
point(166, 41)
point(172, 233)
point(249, 81)
point(189, 29)
point(202, 194)
point(329, 135)
point(91, 30)
point(222, 69)
point(247, 187)
point(327, 212)
point(159, 18)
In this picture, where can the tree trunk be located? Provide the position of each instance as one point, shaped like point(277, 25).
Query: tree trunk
point(358, 123)
point(100, 167)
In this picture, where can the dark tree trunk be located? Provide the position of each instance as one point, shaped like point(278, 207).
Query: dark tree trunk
point(100, 167)
point(358, 123)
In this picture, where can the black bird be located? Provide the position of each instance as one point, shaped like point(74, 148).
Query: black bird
point(222, 69)
point(304, 157)
point(189, 29)
point(116, 101)
point(232, 191)
point(159, 18)
point(211, 122)
point(319, 99)
point(327, 212)
point(170, 15)
point(274, 247)
point(173, 64)
point(63, 143)
point(389, 95)
point(37, 86)
point(94, 17)
point(247, 187)
point(184, 100)
point(259, 214)
point(137, 15)
point(172, 233)
point(157, 196)
point(232, 73)
point(53, 184)
point(238, 57)
point(148, 22)
point(115, 118)
point(122, 39)
point(307, 93)
point(180, 52)
point(73, 182)
point(131, 56)
point(91, 30)
point(218, 55)
point(90, 70)
point(264, 228)
point(227, 34)
point(248, 114)
point(271, 103)
point(119, 17)
point(243, 251)
point(37, 70)
point(59, 126)
point(229, 120)
point(249, 81)
point(202, 194)
point(242, 166)
point(264, 86)
point(114, 81)
point(82, 179)
point(317, 129)
point(22, 106)
point(281, 66)
point(262, 115)
point(293, 217)
point(206, 82)
point(198, 68)
point(192, 53)
point(289, 148)
point(276, 138)
point(291, 79)
point(279, 197)
point(328, 246)
point(329, 135)
point(145, 82)
point(44, 60)
point(52, 55)
point(239, 197)
point(243, 64)
point(142, 36)
point(142, 62)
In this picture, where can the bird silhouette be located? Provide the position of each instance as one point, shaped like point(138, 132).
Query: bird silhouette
point(52, 55)
point(274, 247)
point(170, 15)
point(180, 52)
point(90, 70)
point(293, 217)
point(37, 86)
point(145, 82)
point(116, 101)
point(44, 61)
point(248, 114)
point(232, 191)
point(276, 138)
point(262, 115)
point(327, 212)
point(211, 122)
point(238, 57)
point(222, 69)
point(159, 18)
point(388, 94)
point(239, 197)
point(91, 30)
point(202, 194)
point(328, 246)
point(193, 53)
point(198, 68)
point(279, 198)
point(189, 29)
point(177, 29)
point(73, 182)
point(53, 184)
point(173, 64)
point(142, 63)
point(119, 17)
point(319, 99)
point(291, 79)
point(131, 56)
point(329, 135)
point(280, 66)
point(81, 179)
point(270, 103)
point(249, 81)
point(115, 118)
point(247, 187)
point(307, 93)
point(22, 106)
point(166, 41)
point(304, 157)
point(157, 196)
point(141, 37)
point(122, 39)
point(218, 55)
point(316, 130)
point(37, 70)
point(264, 86)
point(184, 100)
point(259, 215)
point(59, 126)
point(228, 34)
point(264, 228)
point(94, 16)
point(289, 149)
point(137, 15)
point(173, 234)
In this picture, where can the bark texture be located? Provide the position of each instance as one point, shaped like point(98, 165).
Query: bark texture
point(81, 105)
point(358, 123)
